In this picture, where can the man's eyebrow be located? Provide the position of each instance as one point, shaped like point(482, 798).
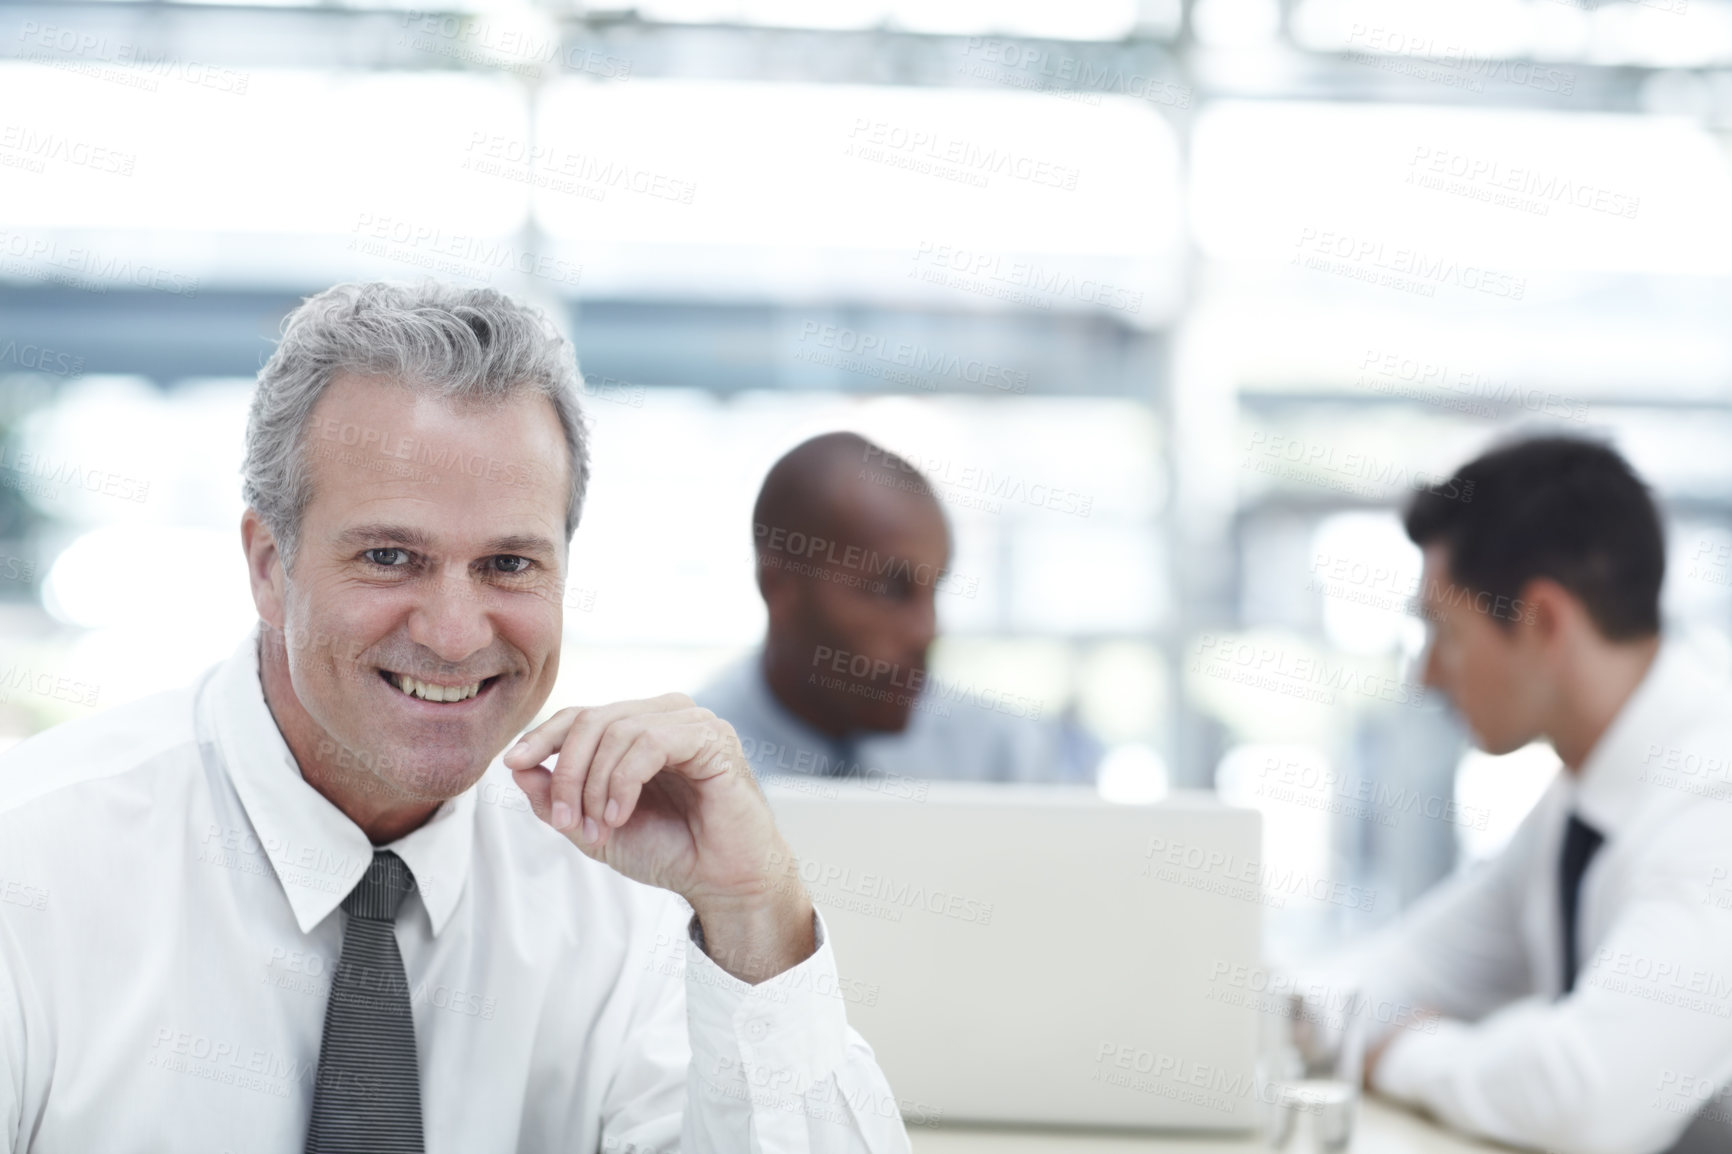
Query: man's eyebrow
point(402, 534)
point(522, 543)
point(416, 539)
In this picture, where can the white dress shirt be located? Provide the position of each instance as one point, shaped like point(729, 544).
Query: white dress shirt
point(1644, 1041)
point(955, 733)
point(170, 920)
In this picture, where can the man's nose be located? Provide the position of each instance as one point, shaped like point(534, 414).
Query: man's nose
point(451, 619)
point(922, 622)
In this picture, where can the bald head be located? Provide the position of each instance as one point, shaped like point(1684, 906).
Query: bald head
point(851, 543)
point(839, 486)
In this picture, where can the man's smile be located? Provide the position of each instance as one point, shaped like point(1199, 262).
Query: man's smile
point(441, 693)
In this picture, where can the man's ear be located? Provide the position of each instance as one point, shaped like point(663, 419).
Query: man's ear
point(780, 590)
point(264, 568)
point(770, 581)
point(1545, 608)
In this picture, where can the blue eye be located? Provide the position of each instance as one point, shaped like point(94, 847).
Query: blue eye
point(375, 556)
point(518, 564)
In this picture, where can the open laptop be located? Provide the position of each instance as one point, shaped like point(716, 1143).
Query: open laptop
point(1035, 954)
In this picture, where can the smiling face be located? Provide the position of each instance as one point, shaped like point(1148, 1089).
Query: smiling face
point(420, 626)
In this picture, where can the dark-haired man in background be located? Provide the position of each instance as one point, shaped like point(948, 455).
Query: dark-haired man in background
point(1579, 979)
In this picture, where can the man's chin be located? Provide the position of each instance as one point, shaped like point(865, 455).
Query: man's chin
point(1499, 745)
point(431, 781)
point(890, 723)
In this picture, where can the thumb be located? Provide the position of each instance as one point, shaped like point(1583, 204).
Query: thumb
point(536, 782)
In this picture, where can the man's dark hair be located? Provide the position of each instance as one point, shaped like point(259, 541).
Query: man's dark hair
point(1557, 507)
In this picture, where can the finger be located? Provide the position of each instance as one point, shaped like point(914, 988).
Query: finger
point(537, 744)
point(577, 751)
point(534, 746)
point(647, 757)
point(536, 782)
point(642, 760)
point(576, 739)
point(621, 736)
point(642, 745)
point(571, 769)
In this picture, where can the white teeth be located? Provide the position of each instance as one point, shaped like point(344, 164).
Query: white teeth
point(428, 692)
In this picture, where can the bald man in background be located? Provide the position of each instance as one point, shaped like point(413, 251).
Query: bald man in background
point(851, 547)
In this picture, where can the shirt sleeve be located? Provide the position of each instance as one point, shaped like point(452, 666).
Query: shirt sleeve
point(1617, 1065)
point(774, 1068)
point(11, 1049)
point(1456, 951)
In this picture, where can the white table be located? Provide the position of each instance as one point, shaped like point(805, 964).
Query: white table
point(1384, 1128)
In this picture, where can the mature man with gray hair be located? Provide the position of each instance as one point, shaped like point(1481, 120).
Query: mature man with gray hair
point(305, 903)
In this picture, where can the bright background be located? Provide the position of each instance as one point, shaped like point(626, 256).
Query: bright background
point(1153, 220)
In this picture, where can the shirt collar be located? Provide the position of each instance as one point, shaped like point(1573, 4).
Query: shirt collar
point(318, 852)
point(1612, 787)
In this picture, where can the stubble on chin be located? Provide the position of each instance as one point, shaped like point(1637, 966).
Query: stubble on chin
point(411, 785)
point(393, 775)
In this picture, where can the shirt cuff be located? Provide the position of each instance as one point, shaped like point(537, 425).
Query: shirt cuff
point(782, 1035)
point(1416, 1060)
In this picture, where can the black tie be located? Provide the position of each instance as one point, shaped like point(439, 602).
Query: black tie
point(1580, 842)
point(845, 751)
point(367, 1097)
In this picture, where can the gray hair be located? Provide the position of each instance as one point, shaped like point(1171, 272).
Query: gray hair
point(458, 344)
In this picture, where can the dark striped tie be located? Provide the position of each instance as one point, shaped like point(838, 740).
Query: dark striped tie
point(367, 1097)
point(1581, 840)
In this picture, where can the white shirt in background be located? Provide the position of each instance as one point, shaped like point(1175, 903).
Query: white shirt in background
point(1643, 1042)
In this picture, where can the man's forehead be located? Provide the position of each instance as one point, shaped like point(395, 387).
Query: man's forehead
point(460, 477)
point(882, 516)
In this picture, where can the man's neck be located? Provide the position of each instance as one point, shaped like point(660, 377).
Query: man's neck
point(1596, 692)
point(792, 692)
point(384, 815)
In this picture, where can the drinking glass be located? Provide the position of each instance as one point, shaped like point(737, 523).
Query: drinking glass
point(1308, 1075)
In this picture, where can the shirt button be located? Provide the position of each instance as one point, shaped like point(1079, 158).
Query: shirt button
point(757, 1029)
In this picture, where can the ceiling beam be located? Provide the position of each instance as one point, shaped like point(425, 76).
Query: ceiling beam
point(190, 40)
